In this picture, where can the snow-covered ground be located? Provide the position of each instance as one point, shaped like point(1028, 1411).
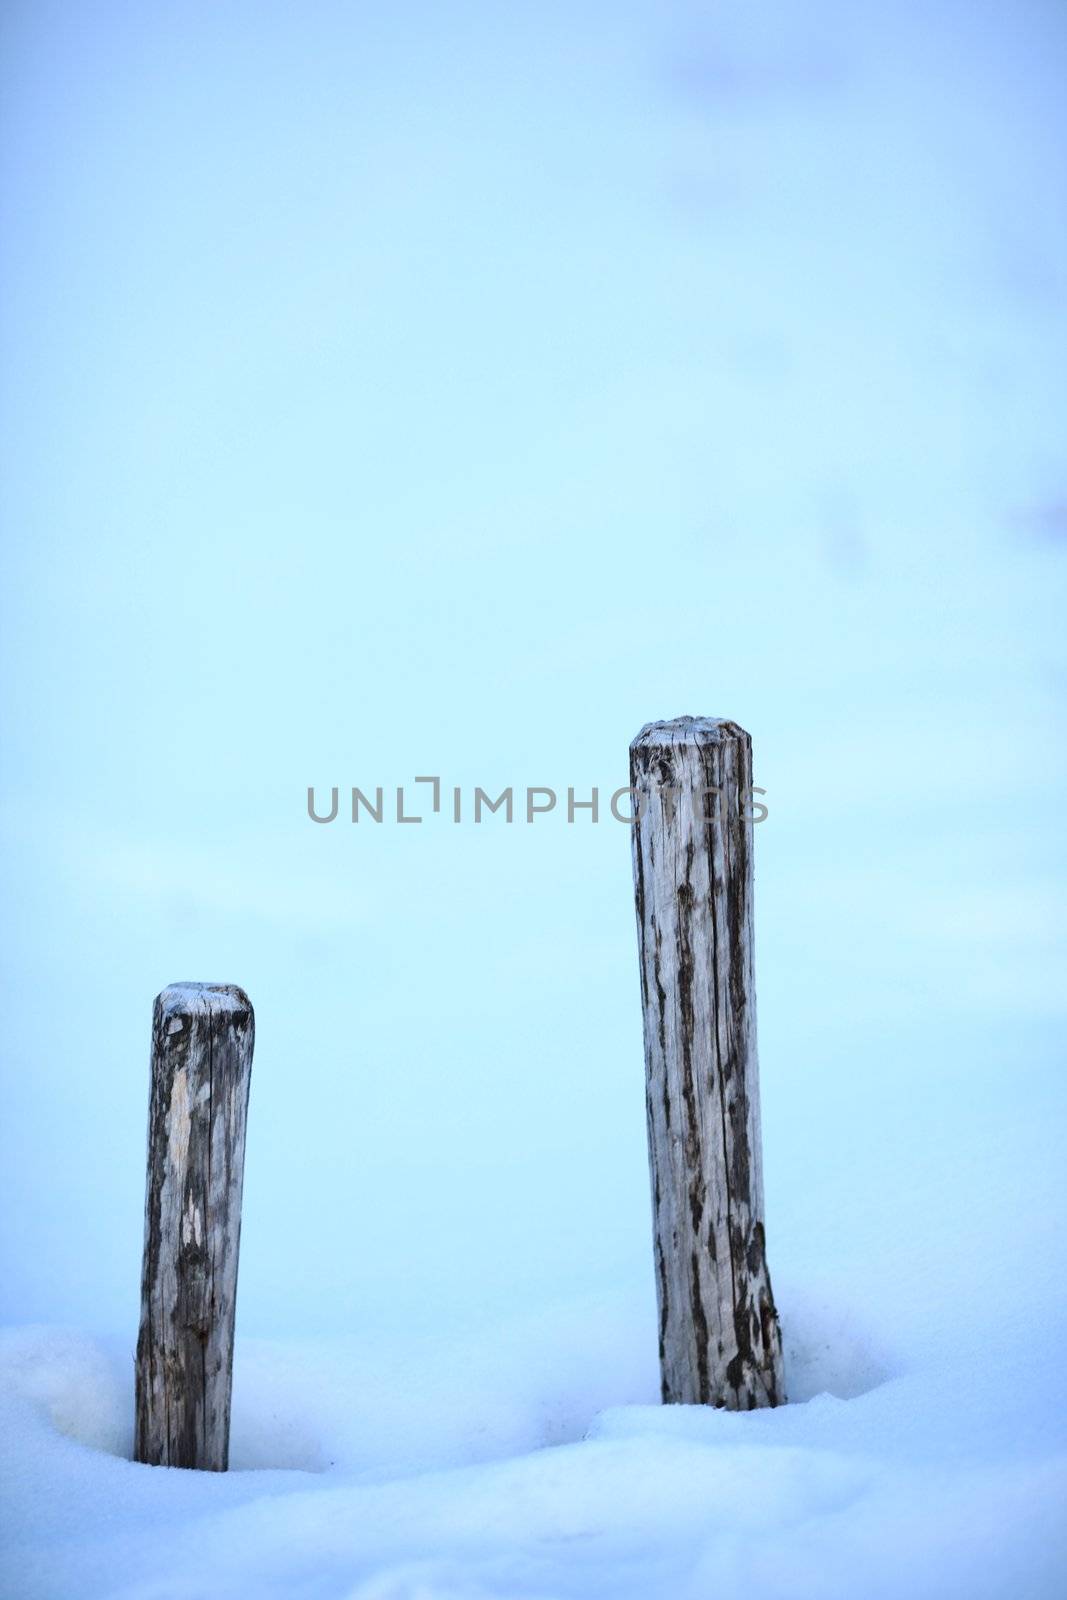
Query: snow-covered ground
point(452, 389)
point(531, 1460)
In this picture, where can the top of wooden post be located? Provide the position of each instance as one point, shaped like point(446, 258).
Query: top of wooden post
point(687, 731)
point(203, 999)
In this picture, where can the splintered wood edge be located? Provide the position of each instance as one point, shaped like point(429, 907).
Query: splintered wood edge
point(684, 731)
point(202, 999)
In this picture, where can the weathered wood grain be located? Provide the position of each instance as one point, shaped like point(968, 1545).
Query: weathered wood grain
point(719, 1341)
point(202, 1041)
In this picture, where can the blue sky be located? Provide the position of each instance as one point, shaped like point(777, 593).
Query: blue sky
point(397, 390)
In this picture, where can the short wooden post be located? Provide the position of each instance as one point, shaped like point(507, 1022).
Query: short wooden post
point(719, 1340)
point(202, 1039)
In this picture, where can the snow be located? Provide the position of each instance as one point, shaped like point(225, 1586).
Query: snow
point(499, 1467)
point(373, 378)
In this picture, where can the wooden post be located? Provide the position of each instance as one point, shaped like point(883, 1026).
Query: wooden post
point(719, 1340)
point(202, 1039)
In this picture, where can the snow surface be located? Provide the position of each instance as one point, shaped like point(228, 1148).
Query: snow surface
point(371, 374)
point(536, 1463)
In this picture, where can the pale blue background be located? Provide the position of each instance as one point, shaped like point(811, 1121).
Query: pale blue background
point(453, 388)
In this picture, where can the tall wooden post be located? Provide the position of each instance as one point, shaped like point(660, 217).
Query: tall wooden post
point(202, 1039)
point(719, 1340)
